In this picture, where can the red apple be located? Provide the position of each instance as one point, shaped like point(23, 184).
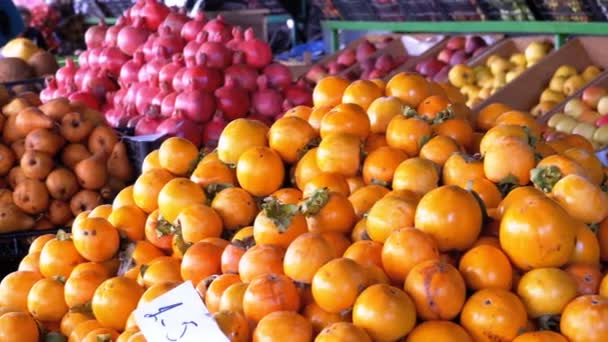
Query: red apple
point(459, 57)
point(456, 43)
point(445, 55)
point(431, 67)
point(442, 75)
point(368, 64)
point(333, 68)
point(377, 74)
point(385, 62)
point(316, 73)
point(603, 121)
point(473, 43)
point(364, 50)
point(592, 95)
point(347, 57)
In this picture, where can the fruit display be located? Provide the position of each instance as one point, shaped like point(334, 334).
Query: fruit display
point(566, 81)
point(364, 52)
point(481, 81)
point(56, 160)
point(457, 50)
point(586, 116)
point(158, 71)
point(22, 59)
point(386, 212)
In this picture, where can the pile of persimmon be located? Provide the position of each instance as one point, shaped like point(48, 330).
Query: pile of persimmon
point(385, 213)
point(56, 160)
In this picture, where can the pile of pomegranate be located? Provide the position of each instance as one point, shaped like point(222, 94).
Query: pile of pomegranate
point(157, 71)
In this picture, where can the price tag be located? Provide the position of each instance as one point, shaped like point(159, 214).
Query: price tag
point(178, 316)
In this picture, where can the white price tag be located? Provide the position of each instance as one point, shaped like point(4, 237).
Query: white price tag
point(178, 316)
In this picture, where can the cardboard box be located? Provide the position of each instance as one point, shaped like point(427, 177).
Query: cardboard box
point(523, 92)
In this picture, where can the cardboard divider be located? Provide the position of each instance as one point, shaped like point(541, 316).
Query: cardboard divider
point(523, 92)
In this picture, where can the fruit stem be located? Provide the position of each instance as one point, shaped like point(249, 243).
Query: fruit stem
point(315, 202)
point(545, 177)
point(280, 214)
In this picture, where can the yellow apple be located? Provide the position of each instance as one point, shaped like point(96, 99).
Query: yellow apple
point(499, 81)
point(565, 71)
point(482, 72)
point(602, 105)
point(566, 125)
point(518, 59)
point(484, 93)
point(513, 74)
point(486, 82)
point(584, 129)
point(535, 51)
point(500, 66)
point(491, 59)
point(461, 75)
point(572, 84)
point(591, 72)
point(601, 135)
point(550, 95)
point(555, 119)
point(575, 108)
point(543, 108)
point(557, 83)
point(470, 90)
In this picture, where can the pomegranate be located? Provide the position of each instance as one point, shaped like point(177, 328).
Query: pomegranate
point(129, 71)
point(95, 35)
point(48, 93)
point(175, 21)
point(257, 53)
point(179, 126)
point(192, 28)
point(298, 94)
point(191, 49)
point(148, 124)
point(217, 55)
point(267, 101)
point(168, 71)
point(237, 38)
point(144, 97)
point(85, 97)
point(169, 41)
point(112, 60)
point(218, 30)
point(65, 74)
point(196, 104)
point(154, 12)
point(167, 105)
point(131, 37)
point(83, 59)
point(202, 77)
point(79, 77)
point(244, 75)
point(364, 50)
point(177, 83)
point(112, 32)
point(278, 75)
point(232, 100)
point(93, 58)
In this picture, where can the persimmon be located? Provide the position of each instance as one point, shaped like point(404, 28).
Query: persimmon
point(236, 207)
point(151, 161)
point(439, 148)
point(500, 134)
point(487, 191)
point(328, 212)
point(288, 136)
point(329, 91)
point(123, 198)
point(148, 186)
point(114, 300)
point(130, 221)
point(177, 155)
point(59, 256)
point(444, 331)
point(493, 315)
point(269, 293)
point(306, 168)
point(317, 114)
point(100, 334)
point(403, 249)
point(379, 166)
point(332, 181)
point(280, 325)
point(437, 289)
point(338, 241)
point(80, 287)
point(516, 196)
point(342, 331)
point(320, 319)
point(374, 141)
point(381, 111)
point(338, 283)
point(96, 239)
point(45, 300)
point(408, 134)
point(540, 336)
point(217, 288)
point(18, 327)
point(518, 118)
point(546, 291)
point(15, 287)
point(156, 291)
point(302, 112)
point(366, 253)
point(198, 221)
point(126, 335)
point(234, 325)
point(588, 161)
point(602, 237)
point(339, 153)
point(486, 266)
point(345, 118)
point(260, 171)
point(410, 88)
point(418, 175)
point(362, 93)
point(585, 319)
point(260, 260)
point(70, 320)
point(158, 231)
point(305, 255)
point(177, 194)
point(582, 199)
point(395, 210)
point(461, 168)
point(201, 260)
point(238, 136)
point(526, 244)
point(486, 118)
point(552, 168)
point(39, 242)
point(364, 198)
point(433, 106)
point(232, 297)
point(587, 248)
point(603, 288)
point(354, 183)
point(459, 130)
point(81, 330)
point(386, 313)
point(243, 234)
point(160, 270)
point(586, 276)
point(101, 211)
point(288, 195)
point(510, 162)
point(232, 255)
point(451, 215)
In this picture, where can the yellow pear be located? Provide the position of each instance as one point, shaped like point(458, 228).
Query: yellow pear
point(557, 83)
point(500, 66)
point(550, 95)
point(461, 75)
point(499, 81)
point(573, 83)
point(491, 59)
point(591, 72)
point(482, 72)
point(565, 71)
point(535, 51)
point(518, 59)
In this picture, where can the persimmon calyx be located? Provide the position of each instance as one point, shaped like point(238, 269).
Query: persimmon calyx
point(545, 177)
point(312, 143)
point(315, 202)
point(507, 184)
point(409, 112)
point(62, 235)
point(281, 214)
point(164, 228)
point(444, 115)
point(214, 188)
point(104, 338)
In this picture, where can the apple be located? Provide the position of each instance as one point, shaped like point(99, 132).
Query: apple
point(376, 73)
point(602, 105)
point(589, 116)
point(456, 43)
point(316, 73)
point(473, 43)
point(543, 108)
point(550, 95)
point(575, 108)
point(592, 95)
point(445, 55)
point(602, 121)
point(566, 125)
point(364, 50)
point(459, 57)
point(461, 75)
point(535, 51)
point(442, 75)
point(479, 51)
point(518, 59)
point(333, 68)
point(565, 71)
point(585, 129)
point(557, 83)
point(591, 72)
point(573, 84)
point(555, 119)
point(385, 62)
point(500, 66)
point(347, 57)
point(368, 64)
point(431, 67)
point(601, 135)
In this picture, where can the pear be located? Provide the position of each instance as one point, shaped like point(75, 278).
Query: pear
point(591, 72)
point(572, 84)
point(12, 219)
point(461, 75)
point(550, 95)
point(565, 71)
point(91, 172)
point(56, 108)
point(44, 140)
point(557, 83)
point(30, 119)
point(535, 51)
point(15, 106)
point(118, 163)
